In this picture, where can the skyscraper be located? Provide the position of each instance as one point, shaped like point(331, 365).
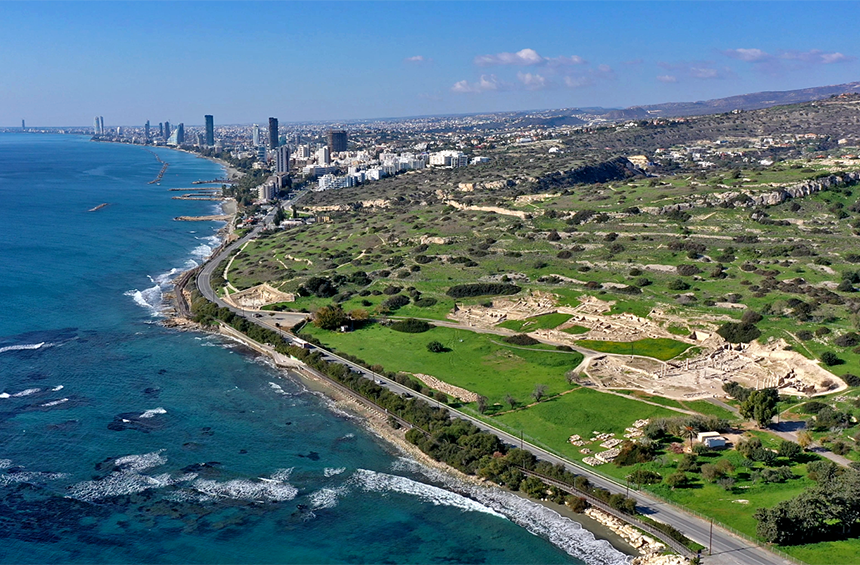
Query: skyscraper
point(255, 135)
point(336, 140)
point(180, 134)
point(210, 130)
point(273, 133)
point(101, 124)
point(146, 131)
point(96, 129)
point(282, 159)
point(23, 125)
point(166, 129)
point(161, 130)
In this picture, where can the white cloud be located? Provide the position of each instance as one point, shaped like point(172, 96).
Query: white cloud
point(815, 57)
point(485, 84)
point(705, 70)
point(415, 59)
point(749, 55)
point(578, 81)
point(526, 57)
point(522, 57)
point(532, 81)
point(667, 78)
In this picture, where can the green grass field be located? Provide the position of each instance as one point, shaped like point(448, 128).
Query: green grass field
point(574, 330)
point(661, 348)
point(581, 412)
point(544, 322)
point(473, 362)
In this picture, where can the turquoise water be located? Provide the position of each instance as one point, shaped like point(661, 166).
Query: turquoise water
point(122, 441)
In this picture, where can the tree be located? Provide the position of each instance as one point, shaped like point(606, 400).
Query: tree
point(761, 406)
point(435, 347)
point(789, 450)
point(539, 392)
point(829, 358)
point(329, 317)
point(804, 439)
point(677, 479)
point(481, 401)
point(511, 400)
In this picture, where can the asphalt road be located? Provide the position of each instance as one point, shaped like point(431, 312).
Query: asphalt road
point(727, 549)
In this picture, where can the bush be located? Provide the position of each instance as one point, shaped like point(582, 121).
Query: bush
point(391, 289)
point(812, 407)
point(830, 359)
point(577, 504)
point(688, 270)
point(425, 302)
point(520, 339)
point(632, 453)
point(482, 289)
point(850, 339)
point(435, 347)
point(411, 326)
point(751, 317)
point(329, 317)
point(851, 380)
point(738, 332)
point(678, 284)
point(395, 302)
point(645, 477)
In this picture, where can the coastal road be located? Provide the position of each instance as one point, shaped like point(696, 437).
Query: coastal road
point(727, 548)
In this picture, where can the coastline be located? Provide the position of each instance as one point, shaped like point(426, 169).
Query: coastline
point(601, 526)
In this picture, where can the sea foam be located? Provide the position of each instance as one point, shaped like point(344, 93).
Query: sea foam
point(562, 532)
point(152, 413)
point(373, 481)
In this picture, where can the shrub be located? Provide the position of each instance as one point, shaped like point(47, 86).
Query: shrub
point(645, 477)
point(632, 453)
point(395, 302)
point(812, 407)
point(678, 284)
point(329, 317)
point(804, 335)
point(520, 339)
point(577, 504)
point(738, 332)
point(687, 270)
point(850, 339)
point(425, 302)
point(482, 289)
point(564, 254)
point(830, 359)
point(751, 317)
point(411, 326)
point(851, 380)
point(392, 289)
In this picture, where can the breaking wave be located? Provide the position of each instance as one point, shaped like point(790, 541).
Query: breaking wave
point(562, 532)
point(152, 413)
point(54, 403)
point(326, 497)
point(268, 490)
point(25, 347)
point(373, 481)
point(331, 471)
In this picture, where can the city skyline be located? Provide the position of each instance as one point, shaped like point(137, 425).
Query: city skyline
point(374, 60)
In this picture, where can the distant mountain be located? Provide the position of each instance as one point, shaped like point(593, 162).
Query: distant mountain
point(754, 101)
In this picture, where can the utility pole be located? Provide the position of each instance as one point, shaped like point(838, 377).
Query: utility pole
point(711, 538)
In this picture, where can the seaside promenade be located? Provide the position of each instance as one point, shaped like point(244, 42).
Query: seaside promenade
point(726, 548)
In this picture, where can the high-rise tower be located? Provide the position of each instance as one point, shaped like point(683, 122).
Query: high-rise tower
point(273, 133)
point(96, 129)
point(336, 140)
point(167, 129)
point(101, 125)
point(146, 131)
point(210, 130)
point(282, 159)
point(255, 135)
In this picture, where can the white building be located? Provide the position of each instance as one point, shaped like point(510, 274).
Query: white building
point(449, 158)
point(323, 156)
point(267, 191)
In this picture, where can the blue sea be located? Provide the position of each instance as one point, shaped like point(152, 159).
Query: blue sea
point(122, 441)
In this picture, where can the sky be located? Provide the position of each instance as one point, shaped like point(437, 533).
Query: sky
point(63, 63)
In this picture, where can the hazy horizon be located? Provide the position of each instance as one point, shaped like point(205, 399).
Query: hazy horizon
point(322, 62)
